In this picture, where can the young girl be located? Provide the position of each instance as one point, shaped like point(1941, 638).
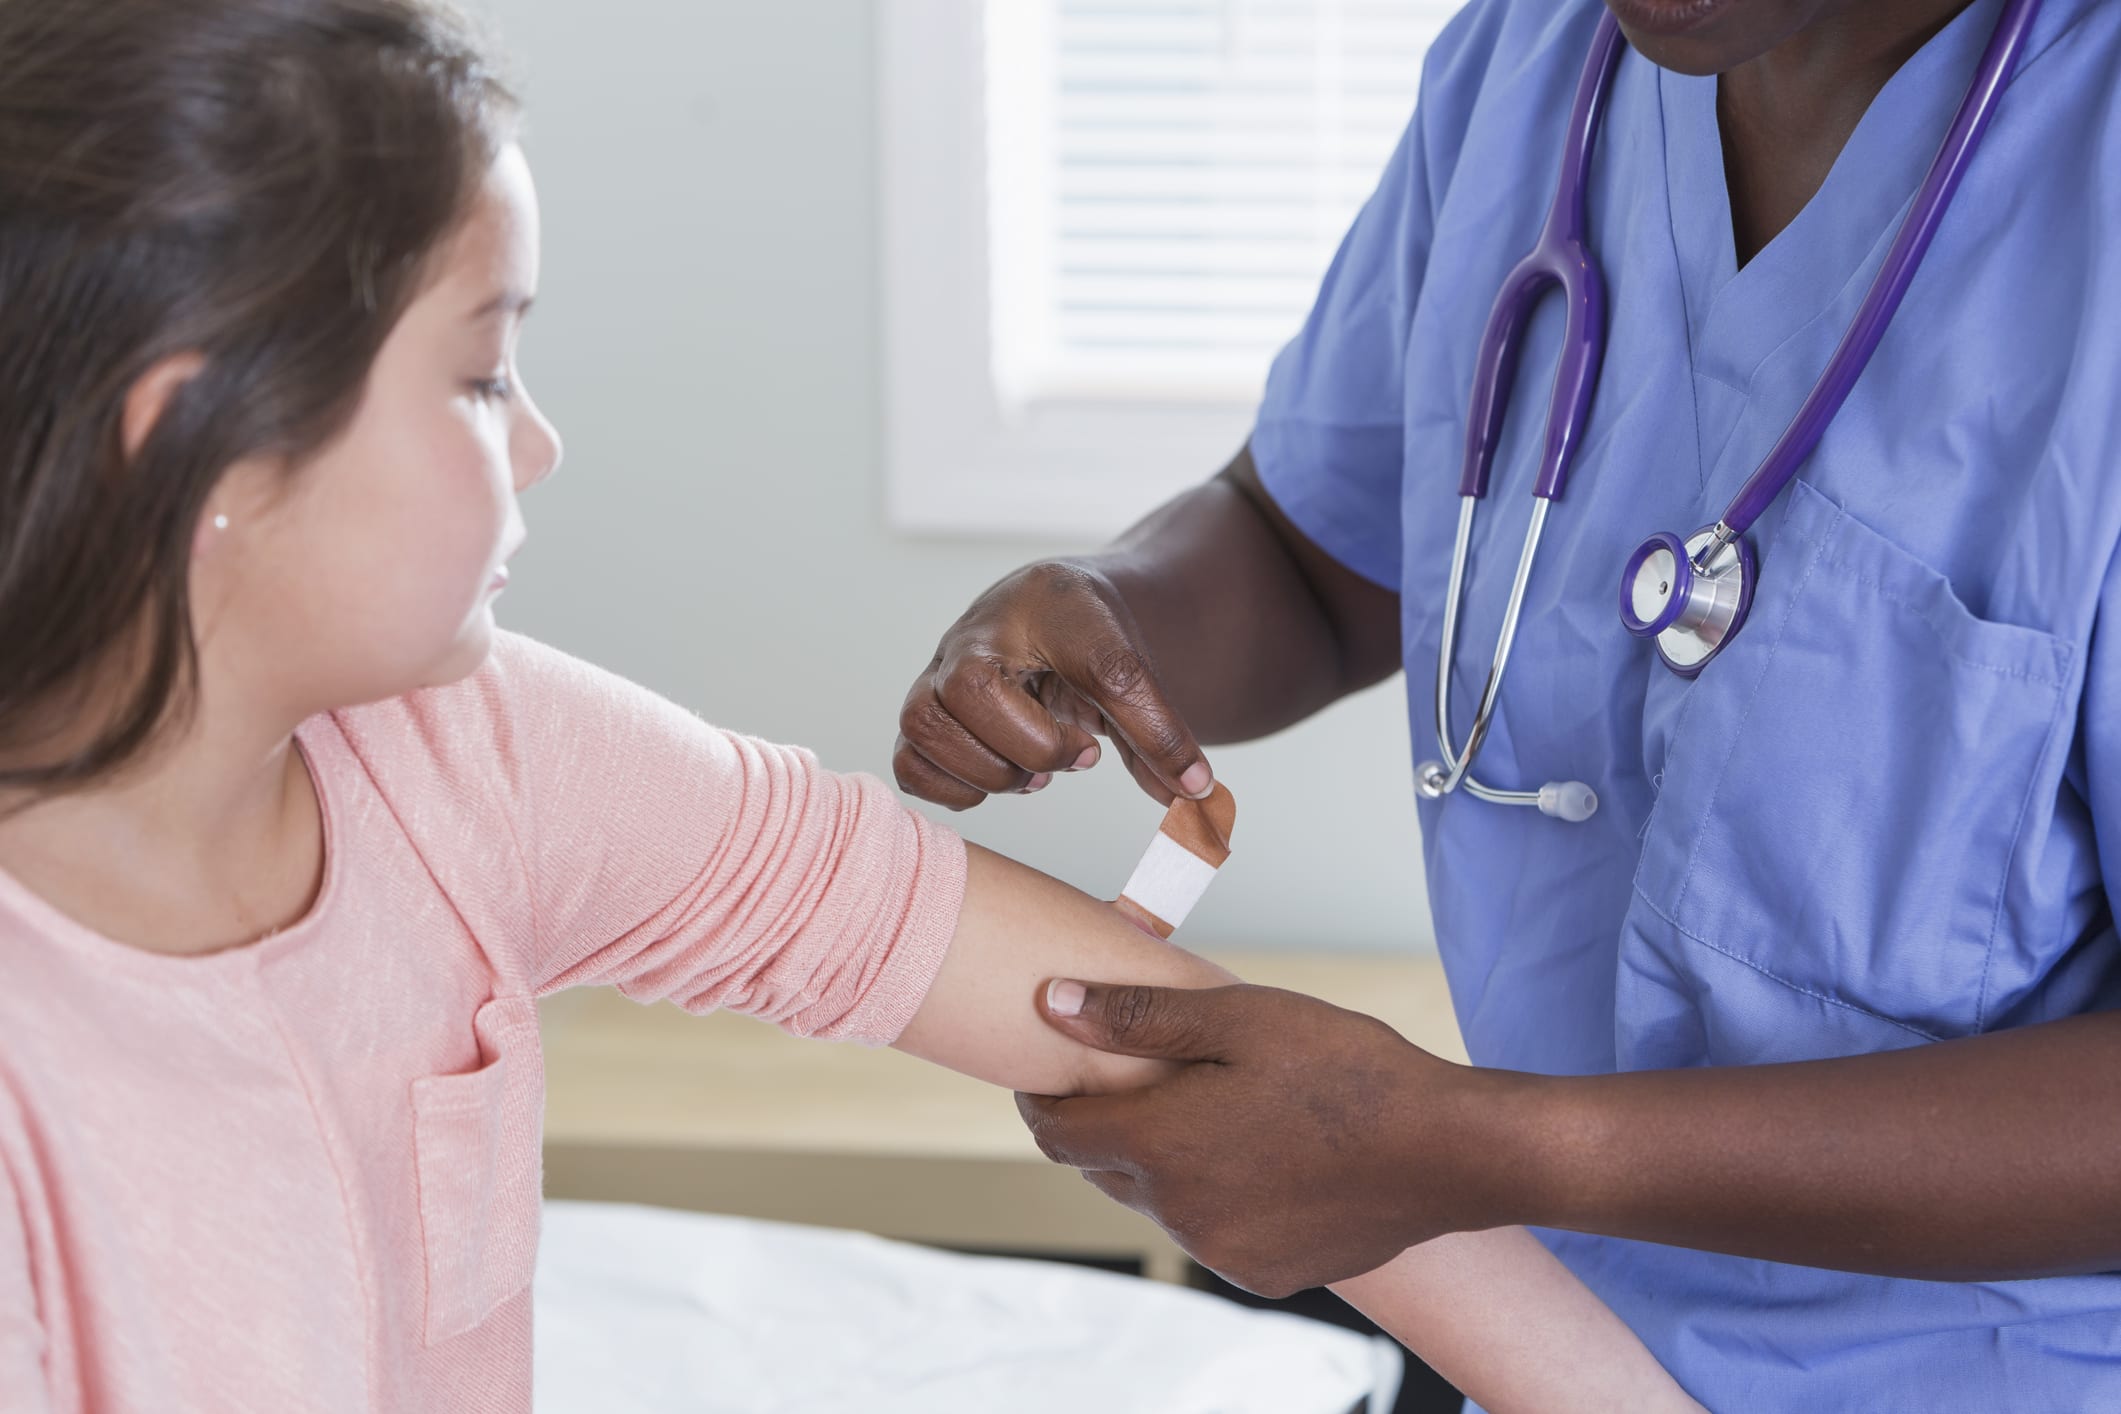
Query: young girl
point(291, 840)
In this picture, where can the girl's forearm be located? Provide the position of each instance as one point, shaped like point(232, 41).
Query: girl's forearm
point(1501, 1318)
point(1020, 929)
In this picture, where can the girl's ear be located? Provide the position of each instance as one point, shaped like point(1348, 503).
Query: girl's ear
point(212, 525)
point(151, 393)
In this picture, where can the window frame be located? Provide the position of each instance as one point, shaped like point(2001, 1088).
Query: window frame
point(959, 459)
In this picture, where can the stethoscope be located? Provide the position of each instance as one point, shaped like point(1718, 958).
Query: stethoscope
point(1689, 596)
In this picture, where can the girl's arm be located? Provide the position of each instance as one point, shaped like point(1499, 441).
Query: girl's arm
point(1500, 1317)
point(1494, 1312)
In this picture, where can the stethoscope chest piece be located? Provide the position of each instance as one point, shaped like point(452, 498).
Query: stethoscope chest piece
point(1690, 597)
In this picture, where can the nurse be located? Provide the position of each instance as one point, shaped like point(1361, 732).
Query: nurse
point(1803, 1048)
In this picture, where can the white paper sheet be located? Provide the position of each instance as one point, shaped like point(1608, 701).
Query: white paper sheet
point(645, 1311)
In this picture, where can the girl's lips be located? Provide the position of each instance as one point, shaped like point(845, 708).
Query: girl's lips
point(500, 579)
point(1667, 18)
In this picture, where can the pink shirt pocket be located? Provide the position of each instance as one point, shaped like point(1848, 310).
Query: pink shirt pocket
point(476, 1139)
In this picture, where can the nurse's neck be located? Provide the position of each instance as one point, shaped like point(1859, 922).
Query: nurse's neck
point(1796, 78)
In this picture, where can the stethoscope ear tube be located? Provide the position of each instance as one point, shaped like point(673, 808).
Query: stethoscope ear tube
point(1562, 800)
point(1882, 301)
point(1561, 259)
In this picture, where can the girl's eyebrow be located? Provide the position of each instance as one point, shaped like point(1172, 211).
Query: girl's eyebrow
point(508, 302)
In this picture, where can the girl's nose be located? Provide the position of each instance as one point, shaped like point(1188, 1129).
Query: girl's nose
point(539, 453)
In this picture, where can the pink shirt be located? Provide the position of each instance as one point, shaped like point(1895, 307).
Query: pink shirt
point(304, 1174)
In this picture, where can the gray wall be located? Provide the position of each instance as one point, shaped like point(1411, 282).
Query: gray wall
point(706, 339)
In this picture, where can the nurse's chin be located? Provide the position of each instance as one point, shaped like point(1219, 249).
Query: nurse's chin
point(1698, 36)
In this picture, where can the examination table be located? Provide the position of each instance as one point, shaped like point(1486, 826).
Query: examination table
point(650, 1311)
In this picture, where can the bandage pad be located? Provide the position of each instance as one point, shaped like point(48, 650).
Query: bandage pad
point(1180, 863)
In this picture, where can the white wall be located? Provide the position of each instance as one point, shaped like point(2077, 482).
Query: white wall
point(706, 339)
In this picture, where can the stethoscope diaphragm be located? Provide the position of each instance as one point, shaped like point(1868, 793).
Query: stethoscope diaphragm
point(1689, 598)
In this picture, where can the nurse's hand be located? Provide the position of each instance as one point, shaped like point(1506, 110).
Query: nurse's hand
point(1021, 683)
point(1300, 1144)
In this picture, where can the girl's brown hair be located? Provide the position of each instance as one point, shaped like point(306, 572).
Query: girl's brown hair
point(257, 182)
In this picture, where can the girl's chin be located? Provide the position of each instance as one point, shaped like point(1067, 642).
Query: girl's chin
point(470, 649)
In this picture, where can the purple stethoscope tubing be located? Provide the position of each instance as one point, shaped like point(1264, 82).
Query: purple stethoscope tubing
point(1561, 257)
point(1901, 262)
point(1692, 614)
point(1703, 585)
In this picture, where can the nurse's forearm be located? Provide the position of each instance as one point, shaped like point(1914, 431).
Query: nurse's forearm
point(1250, 625)
point(1985, 1158)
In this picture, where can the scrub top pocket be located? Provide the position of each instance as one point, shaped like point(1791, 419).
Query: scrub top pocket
point(476, 1138)
point(1843, 795)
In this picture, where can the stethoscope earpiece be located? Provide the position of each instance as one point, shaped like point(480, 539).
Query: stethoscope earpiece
point(1572, 801)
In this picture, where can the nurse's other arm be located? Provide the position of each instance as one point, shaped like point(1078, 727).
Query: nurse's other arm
point(1493, 1311)
point(1214, 620)
point(1987, 1158)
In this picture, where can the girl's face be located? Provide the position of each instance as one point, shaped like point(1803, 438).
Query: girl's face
point(372, 570)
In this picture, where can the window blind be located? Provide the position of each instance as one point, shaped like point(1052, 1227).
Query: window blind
point(1168, 180)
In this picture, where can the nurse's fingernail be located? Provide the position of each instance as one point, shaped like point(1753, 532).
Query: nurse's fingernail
point(1197, 781)
point(1064, 998)
point(1038, 783)
point(1085, 761)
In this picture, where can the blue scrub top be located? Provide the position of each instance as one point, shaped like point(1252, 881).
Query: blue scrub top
point(1885, 815)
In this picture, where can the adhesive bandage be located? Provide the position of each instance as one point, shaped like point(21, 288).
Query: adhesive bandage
point(1181, 861)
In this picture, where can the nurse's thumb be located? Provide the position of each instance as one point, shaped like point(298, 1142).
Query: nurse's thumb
point(1155, 1023)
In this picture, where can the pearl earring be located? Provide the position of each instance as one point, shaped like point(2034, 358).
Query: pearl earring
point(220, 522)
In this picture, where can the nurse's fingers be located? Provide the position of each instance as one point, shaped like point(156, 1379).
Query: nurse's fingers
point(1085, 1132)
point(922, 778)
point(1119, 680)
point(1185, 1024)
point(1000, 703)
point(1068, 705)
point(1042, 660)
point(1147, 779)
point(937, 734)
